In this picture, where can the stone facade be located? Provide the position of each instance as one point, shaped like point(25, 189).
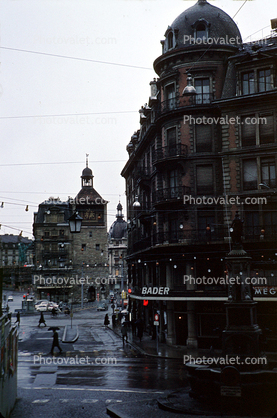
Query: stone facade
point(186, 148)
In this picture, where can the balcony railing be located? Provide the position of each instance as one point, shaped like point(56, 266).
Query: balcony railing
point(201, 236)
point(170, 194)
point(177, 102)
point(177, 150)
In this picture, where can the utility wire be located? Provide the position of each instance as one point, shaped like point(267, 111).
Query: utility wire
point(61, 162)
point(239, 9)
point(67, 114)
point(75, 58)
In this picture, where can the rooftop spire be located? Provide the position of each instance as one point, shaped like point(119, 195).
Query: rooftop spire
point(87, 160)
point(202, 1)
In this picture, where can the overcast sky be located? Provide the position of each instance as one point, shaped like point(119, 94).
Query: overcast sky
point(91, 59)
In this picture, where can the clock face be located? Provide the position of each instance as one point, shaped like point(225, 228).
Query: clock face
point(89, 215)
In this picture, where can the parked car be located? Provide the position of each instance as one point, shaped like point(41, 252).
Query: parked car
point(10, 298)
point(102, 307)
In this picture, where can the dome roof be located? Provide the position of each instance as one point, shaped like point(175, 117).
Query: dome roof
point(220, 24)
point(87, 172)
point(118, 229)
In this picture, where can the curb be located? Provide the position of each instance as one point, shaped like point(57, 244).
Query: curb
point(72, 340)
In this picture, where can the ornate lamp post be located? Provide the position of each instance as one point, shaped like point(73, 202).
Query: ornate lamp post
point(75, 223)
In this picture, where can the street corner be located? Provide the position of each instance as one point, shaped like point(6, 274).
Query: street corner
point(71, 334)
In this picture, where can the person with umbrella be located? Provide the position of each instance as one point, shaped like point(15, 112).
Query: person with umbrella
point(55, 342)
point(41, 320)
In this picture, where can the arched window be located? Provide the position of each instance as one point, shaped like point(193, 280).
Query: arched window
point(201, 31)
point(170, 40)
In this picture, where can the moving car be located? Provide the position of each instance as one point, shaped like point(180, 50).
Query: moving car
point(42, 307)
point(38, 302)
point(102, 307)
point(10, 298)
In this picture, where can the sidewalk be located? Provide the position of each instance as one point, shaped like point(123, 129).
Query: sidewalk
point(148, 347)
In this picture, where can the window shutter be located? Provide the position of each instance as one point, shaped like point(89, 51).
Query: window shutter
point(205, 179)
point(203, 135)
point(250, 175)
point(248, 131)
point(267, 129)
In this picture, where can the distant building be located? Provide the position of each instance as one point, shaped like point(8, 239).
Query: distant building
point(117, 251)
point(202, 153)
point(15, 250)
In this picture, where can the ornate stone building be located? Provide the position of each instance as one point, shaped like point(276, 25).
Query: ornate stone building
point(202, 153)
point(59, 253)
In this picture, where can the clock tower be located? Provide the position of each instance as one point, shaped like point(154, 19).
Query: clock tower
point(90, 245)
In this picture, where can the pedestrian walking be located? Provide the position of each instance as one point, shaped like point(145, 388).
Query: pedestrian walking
point(124, 332)
point(106, 320)
point(114, 320)
point(41, 320)
point(55, 342)
point(133, 325)
point(18, 318)
point(139, 325)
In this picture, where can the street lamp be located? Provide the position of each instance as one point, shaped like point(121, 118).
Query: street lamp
point(75, 223)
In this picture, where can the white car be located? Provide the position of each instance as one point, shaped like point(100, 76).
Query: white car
point(42, 307)
point(52, 305)
point(10, 298)
point(38, 302)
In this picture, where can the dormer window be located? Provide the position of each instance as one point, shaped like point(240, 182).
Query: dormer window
point(201, 31)
point(170, 40)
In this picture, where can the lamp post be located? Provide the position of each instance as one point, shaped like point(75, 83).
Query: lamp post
point(75, 223)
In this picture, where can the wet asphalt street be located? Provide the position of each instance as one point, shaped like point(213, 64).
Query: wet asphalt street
point(90, 374)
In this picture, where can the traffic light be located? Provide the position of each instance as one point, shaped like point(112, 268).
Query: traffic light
point(145, 303)
point(129, 290)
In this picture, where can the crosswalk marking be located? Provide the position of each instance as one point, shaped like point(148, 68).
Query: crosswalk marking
point(150, 391)
point(41, 401)
point(113, 400)
point(89, 400)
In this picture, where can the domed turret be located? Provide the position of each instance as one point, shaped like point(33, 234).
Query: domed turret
point(118, 229)
point(201, 24)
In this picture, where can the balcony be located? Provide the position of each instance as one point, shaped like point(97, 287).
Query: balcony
point(142, 174)
point(170, 194)
point(170, 152)
point(174, 103)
